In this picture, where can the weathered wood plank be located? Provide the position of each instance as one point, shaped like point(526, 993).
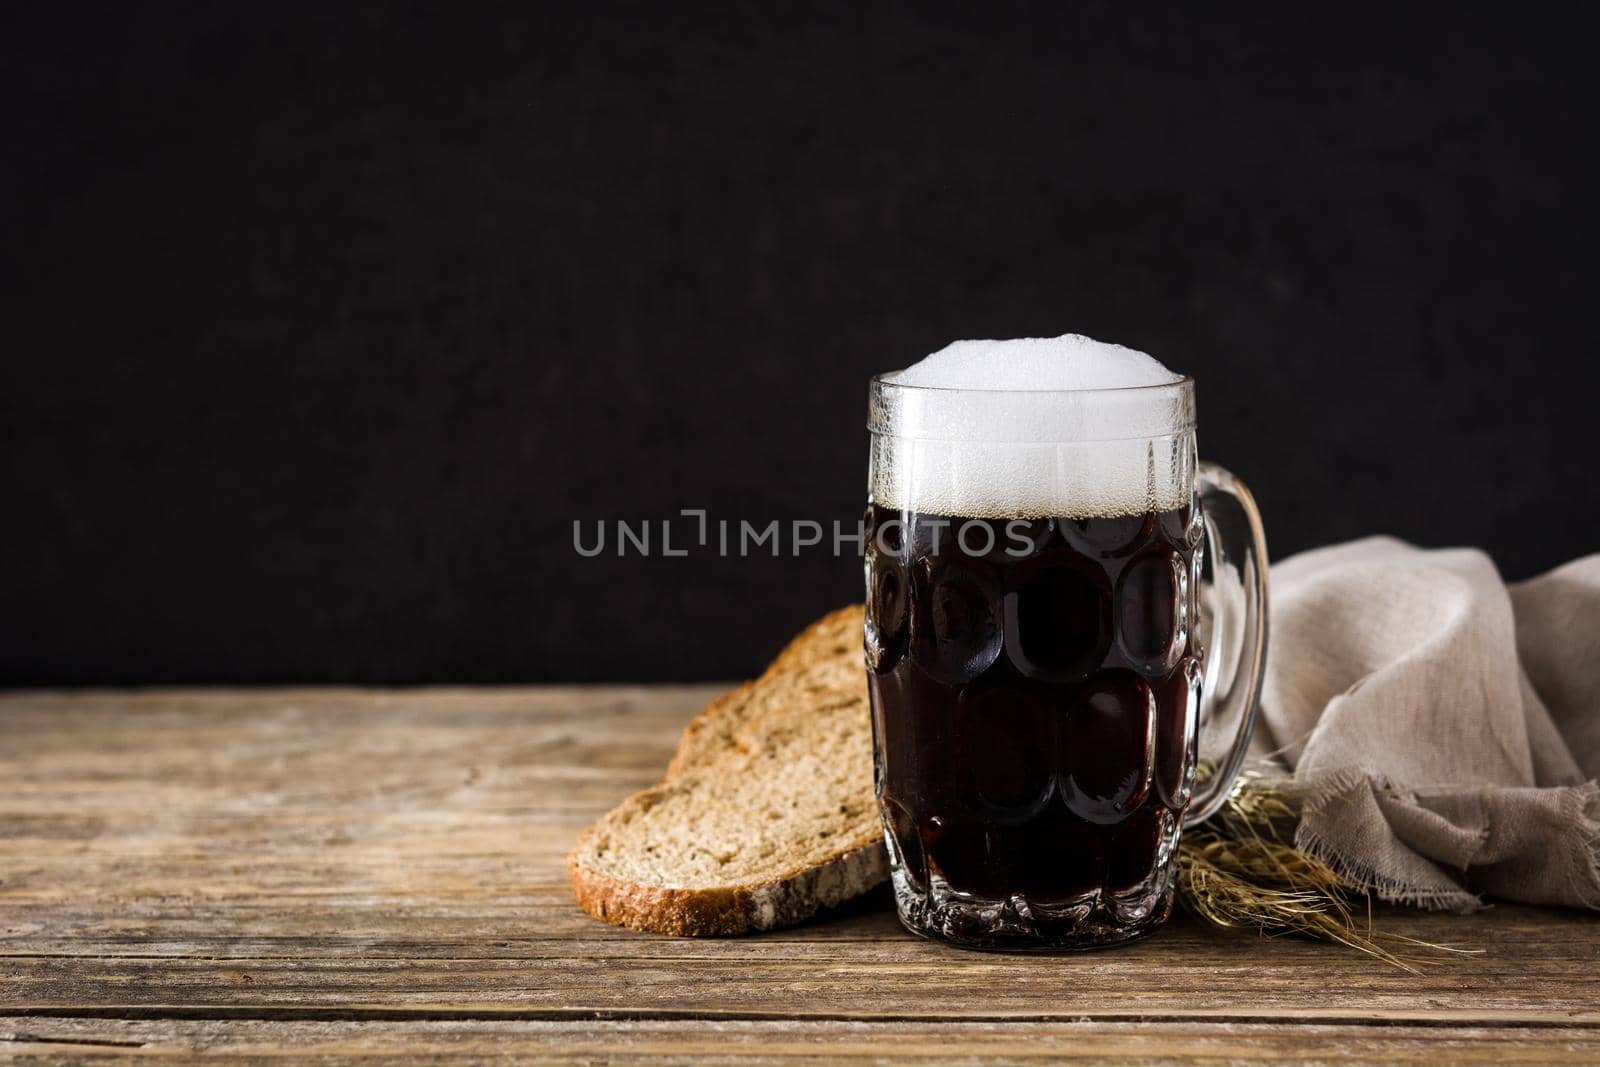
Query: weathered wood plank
point(397, 857)
point(836, 981)
point(798, 1042)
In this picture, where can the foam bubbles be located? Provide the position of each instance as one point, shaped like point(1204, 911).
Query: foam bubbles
point(1033, 364)
point(1032, 428)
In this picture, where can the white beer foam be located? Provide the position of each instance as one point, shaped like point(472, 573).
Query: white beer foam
point(1035, 364)
point(1028, 429)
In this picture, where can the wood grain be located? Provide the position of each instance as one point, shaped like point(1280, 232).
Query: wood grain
point(342, 872)
point(700, 1041)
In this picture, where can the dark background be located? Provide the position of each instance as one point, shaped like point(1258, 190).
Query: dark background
point(322, 326)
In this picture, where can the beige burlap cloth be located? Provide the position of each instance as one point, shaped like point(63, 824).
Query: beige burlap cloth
point(1443, 726)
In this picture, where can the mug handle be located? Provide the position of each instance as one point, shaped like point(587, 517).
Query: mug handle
point(1230, 690)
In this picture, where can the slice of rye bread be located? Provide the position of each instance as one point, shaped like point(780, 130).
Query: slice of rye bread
point(827, 658)
point(766, 813)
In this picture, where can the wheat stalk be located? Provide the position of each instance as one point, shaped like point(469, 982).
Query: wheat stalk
point(1241, 870)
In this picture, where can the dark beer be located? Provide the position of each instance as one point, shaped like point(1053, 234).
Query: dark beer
point(1035, 688)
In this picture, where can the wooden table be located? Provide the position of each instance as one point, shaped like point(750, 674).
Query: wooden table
point(349, 873)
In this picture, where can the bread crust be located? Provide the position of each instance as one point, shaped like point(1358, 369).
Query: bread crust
point(727, 911)
point(717, 733)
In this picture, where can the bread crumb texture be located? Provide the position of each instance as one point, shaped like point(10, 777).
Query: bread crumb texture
point(766, 813)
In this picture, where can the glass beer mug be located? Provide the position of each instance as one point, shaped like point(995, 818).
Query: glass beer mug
point(1066, 613)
